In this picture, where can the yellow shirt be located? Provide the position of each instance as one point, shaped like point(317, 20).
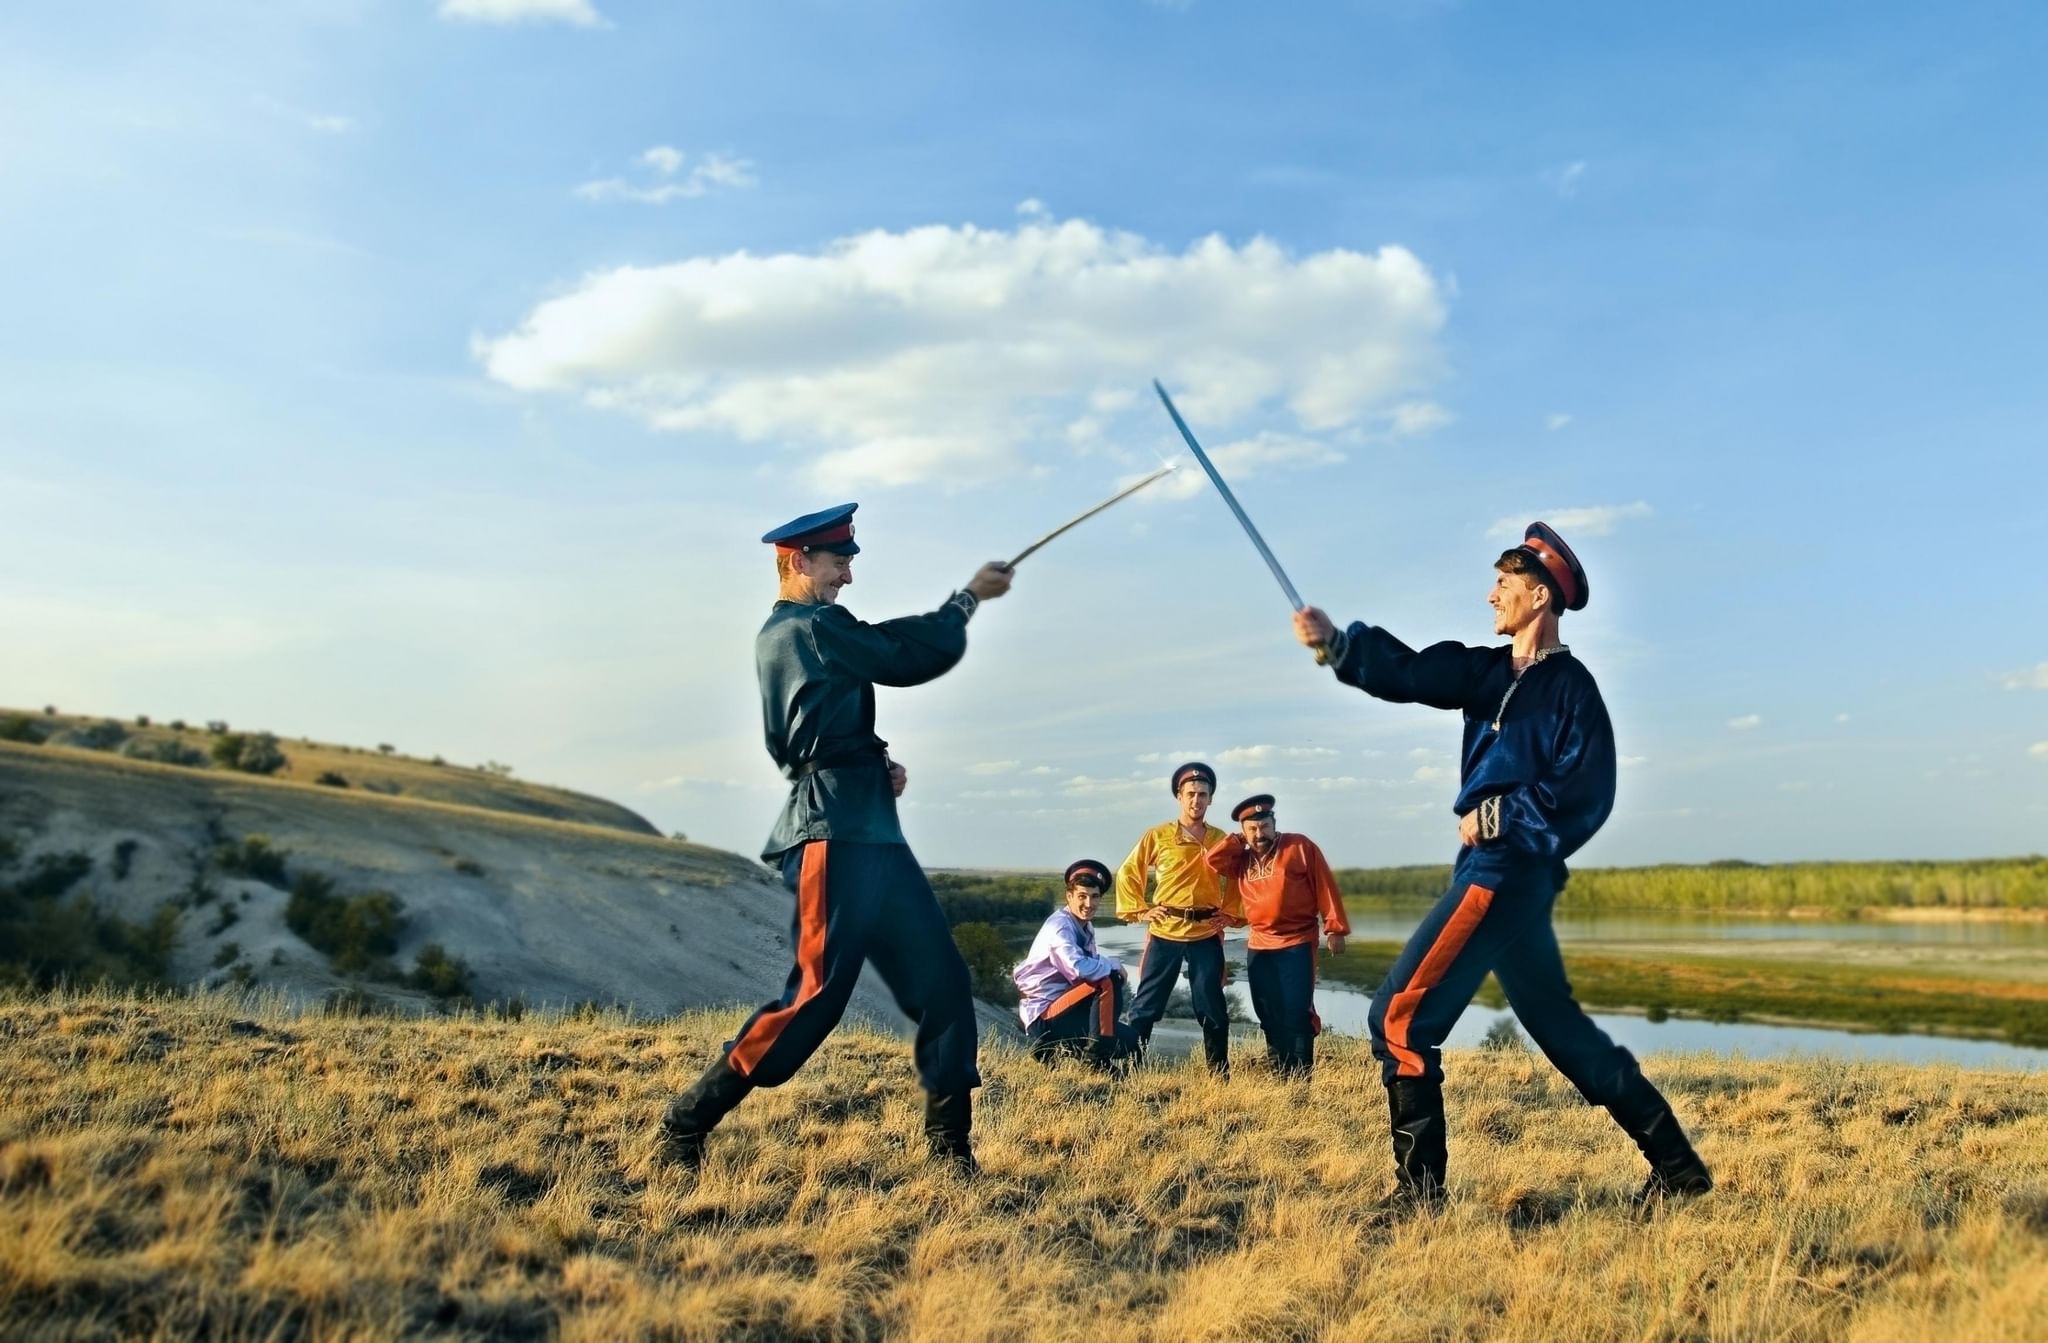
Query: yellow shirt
point(1186, 881)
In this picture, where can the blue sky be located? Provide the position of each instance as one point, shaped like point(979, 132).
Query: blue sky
point(425, 372)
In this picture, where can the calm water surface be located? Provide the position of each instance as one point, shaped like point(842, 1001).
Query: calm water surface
point(1344, 1009)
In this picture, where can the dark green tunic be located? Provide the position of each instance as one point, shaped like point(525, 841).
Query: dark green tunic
point(819, 667)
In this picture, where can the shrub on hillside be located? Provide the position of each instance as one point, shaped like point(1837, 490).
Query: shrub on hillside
point(216, 725)
point(253, 858)
point(249, 752)
point(124, 858)
point(988, 962)
point(357, 932)
point(17, 727)
point(93, 737)
point(329, 779)
point(177, 725)
point(46, 939)
point(440, 974)
point(53, 874)
point(164, 751)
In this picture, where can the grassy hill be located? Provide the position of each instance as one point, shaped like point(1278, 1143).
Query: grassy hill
point(183, 1169)
point(387, 774)
point(318, 892)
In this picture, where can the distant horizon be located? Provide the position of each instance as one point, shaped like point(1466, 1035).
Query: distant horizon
point(286, 739)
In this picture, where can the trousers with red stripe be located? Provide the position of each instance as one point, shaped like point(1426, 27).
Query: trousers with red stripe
point(864, 903)
point(1498, 920)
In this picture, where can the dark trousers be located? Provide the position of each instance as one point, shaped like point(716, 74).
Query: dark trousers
point(854, 903)
point(1160, 965)
point(1283, 984)
point(1082, 1022)
point(1495, 921)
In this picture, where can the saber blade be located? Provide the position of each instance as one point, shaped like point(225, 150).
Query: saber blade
point(1074, 522)
point(1216, 478)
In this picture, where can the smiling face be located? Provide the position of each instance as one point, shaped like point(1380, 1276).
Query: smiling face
point(1194, 802)
point(817, 576)
point(1517, 598)
point(1082, 900)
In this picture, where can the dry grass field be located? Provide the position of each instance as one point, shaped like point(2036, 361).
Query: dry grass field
point(212, 1167)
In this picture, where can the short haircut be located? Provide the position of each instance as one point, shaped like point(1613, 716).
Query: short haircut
point(1515, 560)
point(785, 563)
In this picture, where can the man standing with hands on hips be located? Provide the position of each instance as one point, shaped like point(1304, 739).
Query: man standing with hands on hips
point(1537, 781)
point(861, 895)
point(1290, 895)
point(1184, 916)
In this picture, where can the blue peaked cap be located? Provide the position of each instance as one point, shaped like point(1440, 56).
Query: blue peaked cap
point(827, 529)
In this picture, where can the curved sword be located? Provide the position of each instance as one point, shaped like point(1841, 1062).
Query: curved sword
point(1216, 479)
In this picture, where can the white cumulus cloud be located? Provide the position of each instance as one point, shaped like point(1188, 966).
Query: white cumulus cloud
point(578, 12)
point(1746, 722)
point(2039, 750)
point(953, 351)
point(1594, 520)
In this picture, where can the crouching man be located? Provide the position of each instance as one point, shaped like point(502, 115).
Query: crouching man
point(1071, 994)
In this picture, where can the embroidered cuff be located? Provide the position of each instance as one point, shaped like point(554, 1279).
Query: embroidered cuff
point(1335, 650)
point(1489, 818)
point(966, 601)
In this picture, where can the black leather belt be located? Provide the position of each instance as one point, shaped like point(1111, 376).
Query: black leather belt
point(1198, 915)
point(810, 767)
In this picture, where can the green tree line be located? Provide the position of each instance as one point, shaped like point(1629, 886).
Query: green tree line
point(1731, 886)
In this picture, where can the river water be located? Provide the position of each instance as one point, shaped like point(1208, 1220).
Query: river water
point(1344, 1009)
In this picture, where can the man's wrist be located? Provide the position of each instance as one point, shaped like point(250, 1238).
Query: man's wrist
point(965, 601)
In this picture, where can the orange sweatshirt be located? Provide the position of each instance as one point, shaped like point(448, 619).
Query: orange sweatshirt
point(1284, 893)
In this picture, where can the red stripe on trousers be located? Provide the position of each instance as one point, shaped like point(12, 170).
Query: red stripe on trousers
point(1450, 940)
point(747, 1053)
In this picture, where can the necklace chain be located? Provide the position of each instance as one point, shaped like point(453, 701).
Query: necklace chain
point(1516, 684)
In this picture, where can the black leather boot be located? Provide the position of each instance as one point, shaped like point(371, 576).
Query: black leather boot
point(1216, 1049)
point(1415, 1114)
point(947, 1119)
point(1676, 1171)
point(692, 1115)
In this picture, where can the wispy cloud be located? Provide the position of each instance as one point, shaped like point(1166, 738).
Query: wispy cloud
point(327, 123)
point(2039, 750)
point(1746, 722)
point(580, 13)
point(896, 357)
point(2033, 678)
point(662, 178)
point(1565, 180)
point(1240, 460)
point(1556, 420)
point(1590, 520)
point(995, 767)
point(1265, 755)
point(1841, 718)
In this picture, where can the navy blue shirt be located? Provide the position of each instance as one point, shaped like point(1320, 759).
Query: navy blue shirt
point(1538, 754)
point(818, 668)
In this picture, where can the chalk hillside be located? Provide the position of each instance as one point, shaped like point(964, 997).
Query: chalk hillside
point(551, 898)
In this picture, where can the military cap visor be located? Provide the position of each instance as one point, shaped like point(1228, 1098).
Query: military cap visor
point(1258, 806)
point(1088, 872)
point(827, 529)
point(1194, 769)
point(1556, 563)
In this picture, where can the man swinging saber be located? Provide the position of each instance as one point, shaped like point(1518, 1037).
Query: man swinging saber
point(1216, 479)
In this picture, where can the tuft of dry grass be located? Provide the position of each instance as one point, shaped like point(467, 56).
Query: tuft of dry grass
point(208, 1167)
